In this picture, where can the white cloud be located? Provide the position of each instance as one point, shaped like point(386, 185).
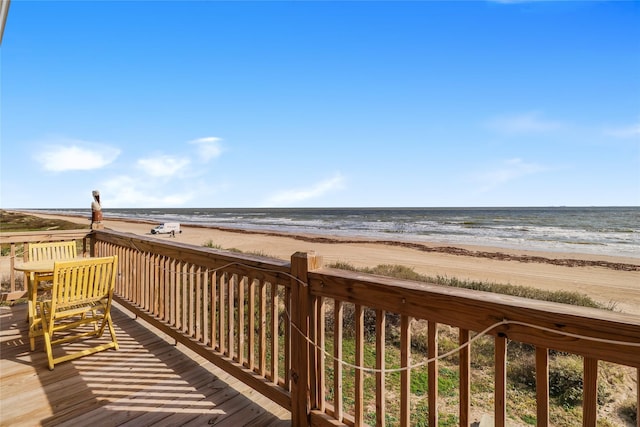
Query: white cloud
point(523, 123)
point(76, 155)
point(300, 195)
point(632, 131)
point(506, 172)
point(125, 191)
point(208, 147)
point(163, 166)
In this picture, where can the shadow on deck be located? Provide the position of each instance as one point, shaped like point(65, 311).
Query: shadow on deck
point(148, 381)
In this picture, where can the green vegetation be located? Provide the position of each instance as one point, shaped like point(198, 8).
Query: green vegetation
point(407, 273)
point(16, 221)
point(629, 409)
point(212, 245)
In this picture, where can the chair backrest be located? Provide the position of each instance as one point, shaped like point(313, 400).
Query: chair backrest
point(83, 281)
point(52, 251)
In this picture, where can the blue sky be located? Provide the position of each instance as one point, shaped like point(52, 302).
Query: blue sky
point(324, 103)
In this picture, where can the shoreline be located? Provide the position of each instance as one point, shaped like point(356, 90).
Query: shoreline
point(567, 259)
point(607, 279)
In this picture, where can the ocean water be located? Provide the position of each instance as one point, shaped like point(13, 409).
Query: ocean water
point(594, 230)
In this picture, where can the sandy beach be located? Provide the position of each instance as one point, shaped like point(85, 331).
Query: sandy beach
point(606, 279)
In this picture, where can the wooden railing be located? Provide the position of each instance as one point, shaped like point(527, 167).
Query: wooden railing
point(229, 308)
point(317, 340)
point(15, 247)
point(593, 334)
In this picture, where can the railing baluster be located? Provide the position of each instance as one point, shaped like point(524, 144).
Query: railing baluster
point(320, 359)
point(251, 306)
point(263, 329)
point(171, 266)
point(500, 381)
point(140, 260)
point(405, 375)
point(231, 322)
point(337, 354)
point(159, 288)
point(359, 361)
point(12, 273)
point(206, 308)
point(148, 280)
point(590, 392)
point(215, 311)
point(542, 386)
point(179, 294)
point(213, 278)
point(432, 353)
point(198, 308)
point(191, 310)
point(465, 378)
point(223, 312)
point(164, 294)
point(287, 339)
point(129, 280)
point(185, 296)
point(153, 279)
point(381, 388)
point(241, 321)
point(274, 333)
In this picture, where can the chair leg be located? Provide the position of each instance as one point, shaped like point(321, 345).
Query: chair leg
point(112, 331)
point(35, 327)
point(30, 319)
point(47, 344)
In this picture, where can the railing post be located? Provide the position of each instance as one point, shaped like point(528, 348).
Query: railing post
point(301, 264)
point(92, 244)
point(12, 272)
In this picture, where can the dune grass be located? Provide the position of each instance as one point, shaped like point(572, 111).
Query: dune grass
point(407, 273)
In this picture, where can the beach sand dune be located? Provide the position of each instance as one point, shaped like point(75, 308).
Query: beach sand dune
point(606, 279)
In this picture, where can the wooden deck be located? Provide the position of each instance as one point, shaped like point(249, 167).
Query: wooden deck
point(148, 381)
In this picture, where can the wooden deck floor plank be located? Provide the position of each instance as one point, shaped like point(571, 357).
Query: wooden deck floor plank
point(141, 408)
point(217, 394)
point(104, 381)
point(212, 397)
point(148, 381)
point(251, 414)
point(198, 381)
point(230, 410)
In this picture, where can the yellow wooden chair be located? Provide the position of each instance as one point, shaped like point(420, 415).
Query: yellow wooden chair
point(81, 294)
point(51, 251)
point(47, 252)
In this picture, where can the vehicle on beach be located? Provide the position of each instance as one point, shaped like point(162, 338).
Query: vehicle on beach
point(167, 228)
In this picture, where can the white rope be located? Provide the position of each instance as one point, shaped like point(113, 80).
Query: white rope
point(459, 348)
point(406, 368)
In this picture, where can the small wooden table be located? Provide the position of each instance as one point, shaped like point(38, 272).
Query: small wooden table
point(30, 269)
